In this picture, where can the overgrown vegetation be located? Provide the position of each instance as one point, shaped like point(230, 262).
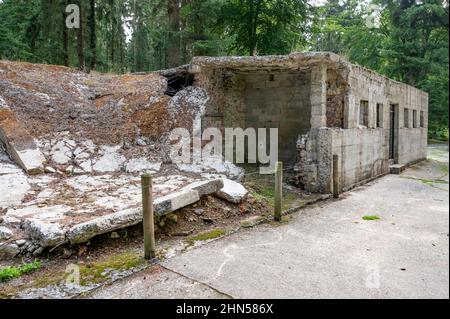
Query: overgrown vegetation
point(409, 44)
point(9, 273)
point(91, 273)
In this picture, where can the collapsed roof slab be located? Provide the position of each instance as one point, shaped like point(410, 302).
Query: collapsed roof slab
point(293, 61)
point(19, 144)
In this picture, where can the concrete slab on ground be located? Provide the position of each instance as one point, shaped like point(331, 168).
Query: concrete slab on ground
point(329, 251)
point(52, 209)
point(157, 283)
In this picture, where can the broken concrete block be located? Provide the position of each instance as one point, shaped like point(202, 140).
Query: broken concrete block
point(5, 233)
point(162, 206)
point(47, 234)
point(252, 221)
point(232, 191)
point(105, 224)
point(20, 242)
point(182, 199)
point(397, 169)
point(8, 251)
point(49, 170)
point(206, 187)
point(19, 144)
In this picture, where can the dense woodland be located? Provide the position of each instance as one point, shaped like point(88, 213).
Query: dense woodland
point(408, 43)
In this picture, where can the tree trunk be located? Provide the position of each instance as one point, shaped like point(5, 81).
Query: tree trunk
point(174, 50)
point(113, 35)
point(80, 40)
point(135, 37)
point(65, 35)
point(93, 35)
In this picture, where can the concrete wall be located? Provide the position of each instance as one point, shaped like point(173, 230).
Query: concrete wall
point(225, 107)
point(363, 150)
point(317, 108)
point(412, 142)
point(259, 99)
point(363, 154)
point(279, 100)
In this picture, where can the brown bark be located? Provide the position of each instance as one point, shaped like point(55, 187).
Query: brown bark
point(174, 47)
point(80, 41)
point(93, 35)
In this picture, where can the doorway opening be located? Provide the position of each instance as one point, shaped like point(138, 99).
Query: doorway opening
point(393, 127)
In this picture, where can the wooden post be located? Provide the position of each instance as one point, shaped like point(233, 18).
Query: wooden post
point(278, 191)
point(336, 177)
point(147, 209)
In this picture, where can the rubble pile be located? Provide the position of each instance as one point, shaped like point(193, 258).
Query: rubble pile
point(74, 144)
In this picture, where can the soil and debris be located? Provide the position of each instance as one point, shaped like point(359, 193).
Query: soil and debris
point(75, 144)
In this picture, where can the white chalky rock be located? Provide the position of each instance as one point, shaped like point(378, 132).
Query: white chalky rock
point(5, 233)
point(142, 164)
point(232, 191)
point(62, 151)
point(32, 160)
point(110, 161)
point(13, 185)
point(3, 104)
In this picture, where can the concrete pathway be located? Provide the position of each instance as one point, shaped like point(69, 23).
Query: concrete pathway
point(327, 251)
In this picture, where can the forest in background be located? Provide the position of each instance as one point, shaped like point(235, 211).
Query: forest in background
point(407, 42)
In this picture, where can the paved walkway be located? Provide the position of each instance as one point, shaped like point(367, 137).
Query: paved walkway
point(326, 251)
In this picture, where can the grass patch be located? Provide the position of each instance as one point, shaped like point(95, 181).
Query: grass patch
point(9, 273)
point(372, 217)
point(216, 233)
point(266, 194)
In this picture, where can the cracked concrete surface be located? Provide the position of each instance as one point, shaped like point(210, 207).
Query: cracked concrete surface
point(328, 250)
point(51, 209)
point(158, 283)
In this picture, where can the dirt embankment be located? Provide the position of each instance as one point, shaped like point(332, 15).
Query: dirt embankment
point(105, 108)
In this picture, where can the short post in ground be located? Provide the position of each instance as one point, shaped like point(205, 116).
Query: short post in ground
point(336, 177)
point(278, 191)
point(147, 209)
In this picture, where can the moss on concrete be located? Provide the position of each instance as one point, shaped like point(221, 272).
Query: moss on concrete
point(428, 182)
point(98, 272)
point(216, 233)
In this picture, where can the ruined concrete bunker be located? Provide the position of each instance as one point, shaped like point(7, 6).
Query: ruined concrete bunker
point(323, 106)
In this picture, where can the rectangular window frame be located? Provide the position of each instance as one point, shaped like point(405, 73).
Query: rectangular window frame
point(380, 115)
point(406, 123)
point(414, 123)
point(363, 113)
